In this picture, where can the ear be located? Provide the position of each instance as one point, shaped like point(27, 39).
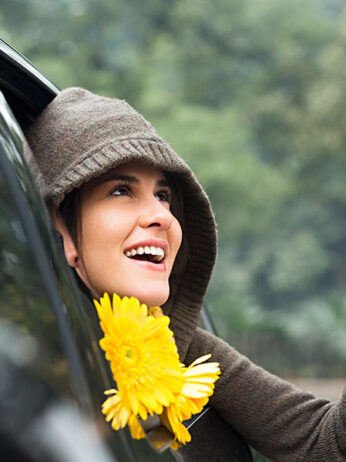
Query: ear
point(70, 250)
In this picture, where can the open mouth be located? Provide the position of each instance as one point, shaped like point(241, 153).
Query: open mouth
point(147, 253)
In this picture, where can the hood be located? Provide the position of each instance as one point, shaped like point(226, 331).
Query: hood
point(79, 136)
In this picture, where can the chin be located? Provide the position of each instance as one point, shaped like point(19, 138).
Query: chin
point(152, 300)
point(151, 297)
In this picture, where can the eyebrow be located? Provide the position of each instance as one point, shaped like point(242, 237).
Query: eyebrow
point(134, 180)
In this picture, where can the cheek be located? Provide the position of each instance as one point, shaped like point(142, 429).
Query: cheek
point(101, 231)
point(177, 236)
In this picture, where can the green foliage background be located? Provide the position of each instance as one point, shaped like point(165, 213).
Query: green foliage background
point(253, 96)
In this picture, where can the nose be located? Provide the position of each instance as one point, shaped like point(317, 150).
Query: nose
point(155, 214)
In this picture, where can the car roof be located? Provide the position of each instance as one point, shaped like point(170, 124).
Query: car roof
point(25, 88)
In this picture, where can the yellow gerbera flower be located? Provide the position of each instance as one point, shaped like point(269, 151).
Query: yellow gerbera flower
point(145, 365)
point(143, 358)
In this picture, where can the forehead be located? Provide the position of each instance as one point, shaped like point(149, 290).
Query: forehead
point(137, 170)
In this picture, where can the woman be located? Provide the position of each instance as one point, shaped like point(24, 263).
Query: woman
point(135, 220)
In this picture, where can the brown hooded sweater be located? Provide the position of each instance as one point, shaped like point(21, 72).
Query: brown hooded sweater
point(80, 136)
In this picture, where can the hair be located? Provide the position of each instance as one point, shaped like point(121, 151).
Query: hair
point(70, 211)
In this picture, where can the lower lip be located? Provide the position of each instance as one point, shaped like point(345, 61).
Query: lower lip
point(149, 265)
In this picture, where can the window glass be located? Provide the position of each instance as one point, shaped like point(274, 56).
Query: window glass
point(23, 300)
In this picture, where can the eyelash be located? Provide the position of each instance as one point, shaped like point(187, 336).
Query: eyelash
point(167, 192)
point(117, 188)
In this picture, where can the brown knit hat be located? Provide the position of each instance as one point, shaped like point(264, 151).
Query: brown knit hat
point(79, 136)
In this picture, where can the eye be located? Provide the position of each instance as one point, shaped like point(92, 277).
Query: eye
point(121, 190)
point(164, 195)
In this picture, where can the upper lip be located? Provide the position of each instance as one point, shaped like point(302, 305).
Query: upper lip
point(149, 242)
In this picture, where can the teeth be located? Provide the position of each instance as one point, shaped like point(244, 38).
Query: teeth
point(157, 253)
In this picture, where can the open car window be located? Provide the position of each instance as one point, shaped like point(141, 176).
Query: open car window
point(49, 305)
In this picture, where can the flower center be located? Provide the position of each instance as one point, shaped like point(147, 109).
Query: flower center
point(130, 354)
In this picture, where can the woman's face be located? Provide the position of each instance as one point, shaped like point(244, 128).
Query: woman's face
point(129, 236)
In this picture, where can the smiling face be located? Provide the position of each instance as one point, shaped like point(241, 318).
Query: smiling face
point(129, 236)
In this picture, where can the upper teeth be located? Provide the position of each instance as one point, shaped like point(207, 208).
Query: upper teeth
point(148, 250)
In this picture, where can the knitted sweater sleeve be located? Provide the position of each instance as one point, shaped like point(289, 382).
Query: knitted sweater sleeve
point(276, 418)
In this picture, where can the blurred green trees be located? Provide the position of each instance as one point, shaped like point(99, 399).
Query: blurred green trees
point(253, 96)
